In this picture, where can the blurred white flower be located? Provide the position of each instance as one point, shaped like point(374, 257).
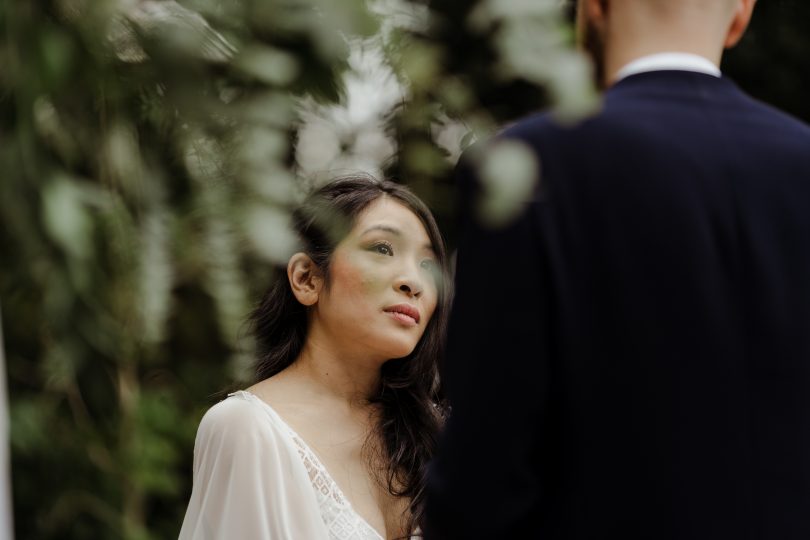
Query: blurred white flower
point(449, 135)
point(533, 45)
point(352, 135)
point(318, 142)
point(270, 231)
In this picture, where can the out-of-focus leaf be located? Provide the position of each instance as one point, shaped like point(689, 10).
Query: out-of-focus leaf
point(509, 171)
point(204, 159)
point(155, 276)
point(575, 96)
point(154, 454)
point(123, 159)
point(169, 25)
point(422, 157)
point(269, 65)
point(270, 232)
point(60, 366)
point(30, 420)
point(262, 146)
point(57, 52)
point(52, 130)
point(224, 279)
point(420, 64)
point(273, 108)
point(66, 217)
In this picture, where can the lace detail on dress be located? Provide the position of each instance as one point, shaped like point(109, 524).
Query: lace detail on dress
point(342, 521)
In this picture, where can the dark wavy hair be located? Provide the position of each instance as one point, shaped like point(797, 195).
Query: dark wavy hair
point(408, 393)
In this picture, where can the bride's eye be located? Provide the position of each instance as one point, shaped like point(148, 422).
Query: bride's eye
point(383, 248)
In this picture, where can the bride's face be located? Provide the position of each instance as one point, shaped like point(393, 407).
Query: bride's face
point(382, 289)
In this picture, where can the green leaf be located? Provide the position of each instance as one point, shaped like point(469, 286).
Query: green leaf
point(66, 217)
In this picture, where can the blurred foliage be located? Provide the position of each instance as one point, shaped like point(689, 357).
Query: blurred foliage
point(484, 63)
point(147, 166)
point(146, 157)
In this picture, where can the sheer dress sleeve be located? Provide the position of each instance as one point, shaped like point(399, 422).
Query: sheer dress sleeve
point(249, 482)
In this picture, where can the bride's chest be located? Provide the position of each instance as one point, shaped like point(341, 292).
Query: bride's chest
point(347, 462)
point(346, 466)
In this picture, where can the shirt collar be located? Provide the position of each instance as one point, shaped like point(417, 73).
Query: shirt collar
point(670, 61)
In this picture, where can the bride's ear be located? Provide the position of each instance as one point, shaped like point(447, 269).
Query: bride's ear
point(306, 279)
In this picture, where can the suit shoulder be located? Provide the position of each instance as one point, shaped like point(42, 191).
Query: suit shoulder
point(544, 131)
point(532, 126)
point(779, 117)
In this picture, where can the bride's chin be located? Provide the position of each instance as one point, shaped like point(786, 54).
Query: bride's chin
point(399, 350)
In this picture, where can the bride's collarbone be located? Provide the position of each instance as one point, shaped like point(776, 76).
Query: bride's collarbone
point(345, 442)
point(349, 451)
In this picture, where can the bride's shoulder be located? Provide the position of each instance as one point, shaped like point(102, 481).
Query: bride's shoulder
point(241, 415)
point(284, 397)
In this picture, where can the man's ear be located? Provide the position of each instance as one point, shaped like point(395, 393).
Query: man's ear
point(595, 12)
point(306, 279)
point(742, 16)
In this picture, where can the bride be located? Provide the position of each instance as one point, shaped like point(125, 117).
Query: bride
point(333, 440)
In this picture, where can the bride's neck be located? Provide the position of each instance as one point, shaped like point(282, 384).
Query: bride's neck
point(336, 376)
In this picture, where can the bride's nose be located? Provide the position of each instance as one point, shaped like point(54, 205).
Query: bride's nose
point(410, 286)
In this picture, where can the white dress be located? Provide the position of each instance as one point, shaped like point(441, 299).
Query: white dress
point(255, 478)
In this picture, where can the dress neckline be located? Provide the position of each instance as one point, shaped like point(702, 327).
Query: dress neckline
point(340, 497)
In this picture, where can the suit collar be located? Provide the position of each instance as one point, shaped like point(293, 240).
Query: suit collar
point(673, 83)
point(668, 61)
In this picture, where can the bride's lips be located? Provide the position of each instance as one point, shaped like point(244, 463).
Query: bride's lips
point(404, 313)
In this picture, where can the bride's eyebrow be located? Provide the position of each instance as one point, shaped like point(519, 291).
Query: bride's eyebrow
point(386, 228)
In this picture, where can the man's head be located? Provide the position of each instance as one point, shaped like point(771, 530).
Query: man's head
point(616, 32)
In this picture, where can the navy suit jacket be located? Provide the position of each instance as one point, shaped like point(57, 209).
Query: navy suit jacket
point(630, 357)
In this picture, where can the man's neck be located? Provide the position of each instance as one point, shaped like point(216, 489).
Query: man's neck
point(633, 33)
